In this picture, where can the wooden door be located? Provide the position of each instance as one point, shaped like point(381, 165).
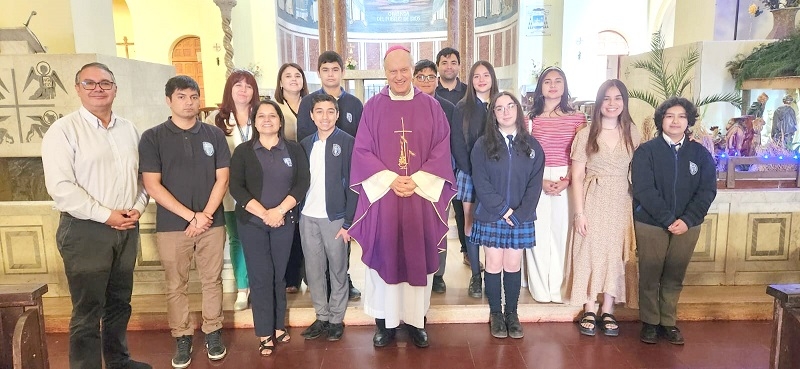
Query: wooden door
point(186, 59)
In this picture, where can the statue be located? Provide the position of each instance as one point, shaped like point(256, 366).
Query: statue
point(757, 109)
point(784, 123)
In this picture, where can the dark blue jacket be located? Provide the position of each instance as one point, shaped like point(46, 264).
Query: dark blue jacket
point(447, 106)
point(513, 182)
point(340, 200)
point(350, 108)
point(670, 185)
point(463, 137)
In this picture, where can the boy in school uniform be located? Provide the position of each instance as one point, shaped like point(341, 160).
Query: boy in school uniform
point(326, 215)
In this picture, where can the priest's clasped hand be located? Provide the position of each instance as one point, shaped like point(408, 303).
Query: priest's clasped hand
point(403, 186)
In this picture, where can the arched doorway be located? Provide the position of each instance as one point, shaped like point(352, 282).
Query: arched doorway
point(612, 45)
point(123, 30)
point(186, 59)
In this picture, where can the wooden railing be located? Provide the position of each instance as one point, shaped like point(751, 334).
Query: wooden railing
point(731, 174)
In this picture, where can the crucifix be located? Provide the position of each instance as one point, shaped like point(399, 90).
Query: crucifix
point(126, 44)
point(405, 153)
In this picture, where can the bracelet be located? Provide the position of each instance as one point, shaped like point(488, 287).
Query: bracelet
point(194, 217)
point(564, 179)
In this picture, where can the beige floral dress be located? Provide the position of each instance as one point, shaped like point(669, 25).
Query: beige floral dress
point(598, 262)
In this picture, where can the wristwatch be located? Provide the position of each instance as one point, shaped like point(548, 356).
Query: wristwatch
point(281, 210)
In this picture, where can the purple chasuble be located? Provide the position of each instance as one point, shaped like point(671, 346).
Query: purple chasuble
point(401, 237)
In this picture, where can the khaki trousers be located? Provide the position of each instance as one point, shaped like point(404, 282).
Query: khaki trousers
point(176, 251)
point(663, 259)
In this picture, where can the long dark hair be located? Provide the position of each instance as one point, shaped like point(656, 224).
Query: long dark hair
point(538, 96)
point(624, 118)
point(279, 90)
point(470, 96)
point(223, 119)
point(254, 112)
point(495, 142)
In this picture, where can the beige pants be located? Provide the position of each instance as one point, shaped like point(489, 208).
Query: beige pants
point(176, 251)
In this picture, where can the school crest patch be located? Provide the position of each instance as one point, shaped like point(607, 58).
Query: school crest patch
point(208, 148)
point(532, 155)
point(692, 168)
point(337, 150)
point(288, 162)
point(349, 117)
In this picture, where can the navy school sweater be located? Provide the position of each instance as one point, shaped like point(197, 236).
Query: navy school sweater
point(350, 108)
point(670, 185)
point(340, 200)
point(513, 182)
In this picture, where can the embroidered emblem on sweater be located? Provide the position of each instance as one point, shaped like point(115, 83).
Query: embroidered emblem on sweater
point(288, 162)
point(337, 150)
point(692, 168)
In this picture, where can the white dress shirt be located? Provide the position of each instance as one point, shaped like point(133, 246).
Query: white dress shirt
point(89, 169)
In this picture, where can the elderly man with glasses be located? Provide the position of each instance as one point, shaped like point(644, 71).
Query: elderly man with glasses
point(91, 161)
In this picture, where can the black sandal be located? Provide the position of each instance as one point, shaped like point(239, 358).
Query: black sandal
point(284, 337)
point(264, 348)
point(588, 331)
point(607, 320)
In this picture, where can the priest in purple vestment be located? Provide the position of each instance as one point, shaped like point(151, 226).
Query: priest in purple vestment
point(402, 172)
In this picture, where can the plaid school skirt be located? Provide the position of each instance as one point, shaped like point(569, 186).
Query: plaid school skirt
point(503, 236)
point(466, 191)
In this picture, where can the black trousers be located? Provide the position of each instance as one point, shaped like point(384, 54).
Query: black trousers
point(295, 269)
point(266, 254)
point(98, 262)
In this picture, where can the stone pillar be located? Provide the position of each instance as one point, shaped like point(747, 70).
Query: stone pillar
point(225, 7)
point(326, 30)
point(466, 20)
point(340, 22)
point(453, 27)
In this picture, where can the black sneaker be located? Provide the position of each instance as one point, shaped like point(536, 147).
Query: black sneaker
point(183, 352)
point(671, 333)
point(315, 330)
point(497, 325)
point(438, 284)
point(475, 289)
point(335, 331)
point(353, 293)
point(513, 325)
point(214, 346)
point(649, 333)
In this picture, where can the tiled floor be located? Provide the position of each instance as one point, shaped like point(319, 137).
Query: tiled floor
point(729, 344)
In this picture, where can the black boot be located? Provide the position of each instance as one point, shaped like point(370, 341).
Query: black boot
point(382, 335)
point(418, 336)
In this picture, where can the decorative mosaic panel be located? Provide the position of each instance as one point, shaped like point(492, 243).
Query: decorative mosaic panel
point(23, 250)
point(768, 236)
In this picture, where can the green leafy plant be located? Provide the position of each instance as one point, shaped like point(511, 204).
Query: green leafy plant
point(777, 59)
point(668, 82)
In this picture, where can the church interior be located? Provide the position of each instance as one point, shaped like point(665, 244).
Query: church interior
point(741, 300)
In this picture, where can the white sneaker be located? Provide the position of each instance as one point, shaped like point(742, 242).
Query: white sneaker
point(242, 299)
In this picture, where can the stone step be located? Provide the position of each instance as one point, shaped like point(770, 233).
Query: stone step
point(696, 303)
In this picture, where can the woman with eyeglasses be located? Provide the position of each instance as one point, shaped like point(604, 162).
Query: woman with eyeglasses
point(554, 123)
point(290, 89)
point(507, 167)
point(469, 121)
point(601, 199)
point(233, 117)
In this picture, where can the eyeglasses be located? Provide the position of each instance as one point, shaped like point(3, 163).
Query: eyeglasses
point(91, 85)
point(503, 109)
point(424, 78)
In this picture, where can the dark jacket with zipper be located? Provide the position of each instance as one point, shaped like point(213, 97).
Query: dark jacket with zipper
point(340, 200)
point(247, 178)
point(670, 185)
point(463, 136)
point(512, 182)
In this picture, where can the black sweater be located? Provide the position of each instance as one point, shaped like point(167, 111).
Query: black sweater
point(247, 179)
point(670, 185)
point(350, 109)
point(463, 137)
point(340, 200)
point(513, 182)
